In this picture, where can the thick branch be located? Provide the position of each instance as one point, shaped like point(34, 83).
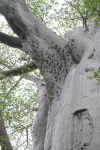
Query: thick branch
point(10, 40)
point(4, 139)
point(47, 49)
point(35, 79)
point(18, 71)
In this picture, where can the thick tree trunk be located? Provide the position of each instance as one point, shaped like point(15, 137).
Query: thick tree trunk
point(72, 116)
point(77, 115)
point(72, 109)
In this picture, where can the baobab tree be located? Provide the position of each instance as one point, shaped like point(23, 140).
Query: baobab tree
point(68, 117)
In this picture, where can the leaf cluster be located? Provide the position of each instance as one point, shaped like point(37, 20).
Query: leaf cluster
point(96, 74)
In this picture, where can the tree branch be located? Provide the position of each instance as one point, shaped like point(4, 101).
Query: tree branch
point(97, 11)
point(35, 79)
point(18, 71)
point(74, 8)
point(5, 64)
point(47, 49)
point(4, 139)
point(10, 40)
point(14, 86)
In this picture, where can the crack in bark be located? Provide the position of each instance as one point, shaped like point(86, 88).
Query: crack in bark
point(82, 130)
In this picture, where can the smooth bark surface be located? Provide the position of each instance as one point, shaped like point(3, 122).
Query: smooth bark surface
point(77, 113)
point(40, 120)
point(10, 40)
point(68, 116)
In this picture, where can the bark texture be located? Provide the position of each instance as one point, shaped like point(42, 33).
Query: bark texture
point(69, 113)
point(4, 139)
point(40, 120)
point(77, 116)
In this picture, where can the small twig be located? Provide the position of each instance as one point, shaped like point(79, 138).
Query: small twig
point(74, 8)
point(82, 1)
point(14, 86)
point(4, 64)
point(20, 145)
point(79, 18)
point(19, 138)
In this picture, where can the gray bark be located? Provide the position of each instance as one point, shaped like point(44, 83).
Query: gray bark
point(18, 70)
point(40, 121)
point(77, 121)
point(70, 112)
point(10, 40)
point(4, 138)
